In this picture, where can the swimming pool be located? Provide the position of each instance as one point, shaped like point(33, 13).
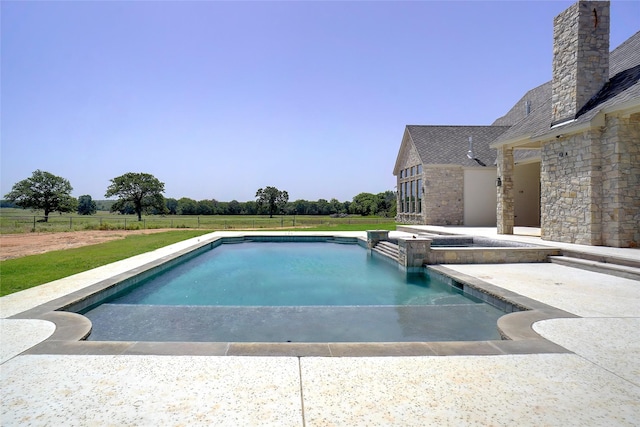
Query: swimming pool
point(290, 292)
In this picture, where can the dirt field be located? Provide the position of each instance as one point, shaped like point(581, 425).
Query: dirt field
point(17, 245)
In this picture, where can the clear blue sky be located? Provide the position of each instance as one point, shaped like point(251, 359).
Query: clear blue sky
point(218, 99)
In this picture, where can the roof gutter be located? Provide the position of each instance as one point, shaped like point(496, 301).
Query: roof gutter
point(513, 142)
point(627, 108)
point(568, 129)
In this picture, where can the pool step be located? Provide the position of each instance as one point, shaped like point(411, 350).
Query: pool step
point(387, 249)
point(614, 266)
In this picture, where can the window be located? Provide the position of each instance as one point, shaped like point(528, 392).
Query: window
point(419, 189)
point(407, 199)
point(413, 196)
point(410, 190)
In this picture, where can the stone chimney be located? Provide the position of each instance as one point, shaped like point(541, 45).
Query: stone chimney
point(580, 57)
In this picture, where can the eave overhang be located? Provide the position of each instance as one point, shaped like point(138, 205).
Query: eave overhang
point(572, 127)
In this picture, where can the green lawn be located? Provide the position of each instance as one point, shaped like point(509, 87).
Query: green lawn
point(26, 272)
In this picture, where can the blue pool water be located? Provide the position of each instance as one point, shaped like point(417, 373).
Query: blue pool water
point(298, 292)
point(291, 274)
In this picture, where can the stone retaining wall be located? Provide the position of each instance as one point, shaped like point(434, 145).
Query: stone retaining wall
point(488, 256)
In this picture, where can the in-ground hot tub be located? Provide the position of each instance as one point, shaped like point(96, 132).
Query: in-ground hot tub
point(484, 250)
point(425, 248)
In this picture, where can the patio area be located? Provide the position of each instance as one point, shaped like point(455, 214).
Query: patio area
point(596, 382)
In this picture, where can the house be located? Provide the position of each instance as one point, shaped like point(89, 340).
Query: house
point(587, 134)
point(569, 160)
point(446, 175)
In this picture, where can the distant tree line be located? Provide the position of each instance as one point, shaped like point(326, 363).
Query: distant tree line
point(8, 204)
point(381, 204)
point(140, 192)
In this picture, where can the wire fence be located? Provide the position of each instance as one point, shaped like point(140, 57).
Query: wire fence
point(36, 223)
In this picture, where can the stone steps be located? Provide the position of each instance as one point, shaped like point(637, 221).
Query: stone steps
point(614, 266)
point(387, 249)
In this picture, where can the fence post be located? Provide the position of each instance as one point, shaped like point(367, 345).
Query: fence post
point(125, 223)
point(70, 222)
point(34, 223)
point(198, 222)
point(144, 224)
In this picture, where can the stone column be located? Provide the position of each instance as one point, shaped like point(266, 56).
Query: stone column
point(504, 187)
point(374, 236)
point(412, 252)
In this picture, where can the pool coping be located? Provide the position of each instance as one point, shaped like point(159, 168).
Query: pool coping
point(516, 328)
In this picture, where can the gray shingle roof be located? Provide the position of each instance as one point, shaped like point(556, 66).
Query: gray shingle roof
point(535, 97)
point(625, 56)
point(623, 85)
point(449, 144)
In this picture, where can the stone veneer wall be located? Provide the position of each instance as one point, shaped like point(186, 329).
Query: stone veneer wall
point(591, 186)
point(488, 256)
point(580, 56)
point(411, 218)
point(443, 201)
point(621, 181)
point(505, 214)
point(570, 196)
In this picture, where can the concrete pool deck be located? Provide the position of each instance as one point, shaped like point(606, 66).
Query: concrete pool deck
point(596, 383)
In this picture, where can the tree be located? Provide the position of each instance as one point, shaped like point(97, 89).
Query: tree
point(364, 204)
point(274, 199)
point(336, 206)
point(187, 206)
point(44, 191)
point(300, 207)
point(387, 204)
point(323, 207)
point(206, 207)
point(249, 208)
point(234, 207)
point(172, 206)
point(86, 205)
point(142, 190)
point(123, 208)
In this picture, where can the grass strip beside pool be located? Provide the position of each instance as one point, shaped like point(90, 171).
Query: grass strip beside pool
point(26, 272)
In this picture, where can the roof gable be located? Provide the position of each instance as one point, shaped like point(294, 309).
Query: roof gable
point(405, 146)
